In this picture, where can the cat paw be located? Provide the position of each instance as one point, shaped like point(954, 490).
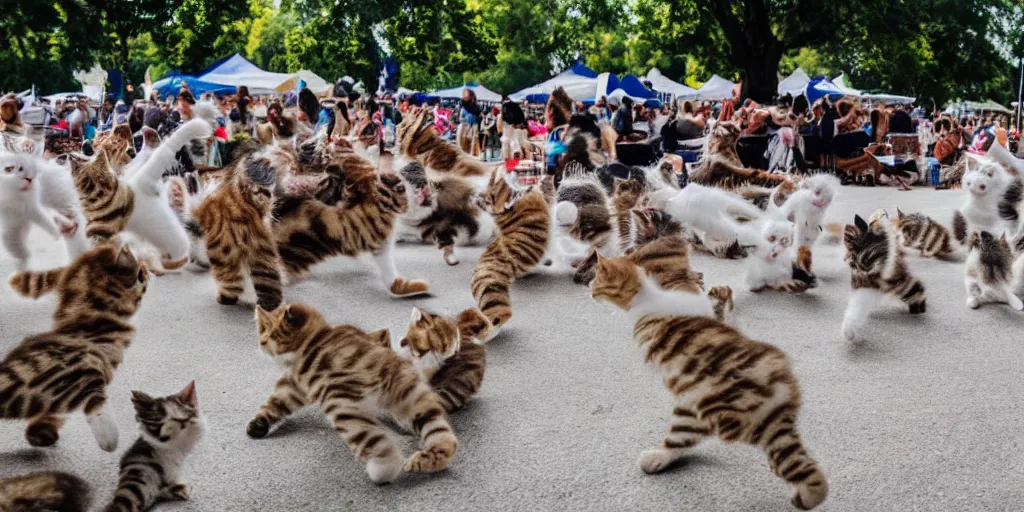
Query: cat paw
point(807, 497)
point(917, 309)
point(451, 259)
point(68, 227)
point(383, 470)
point(104, 429)
point(409, 288)
point(224, 300)
point(1016, 303)
point(181, 492)
point(258, 428)
point(973, 302)
point(851, 332)
point(42, 435)
point(655, 461)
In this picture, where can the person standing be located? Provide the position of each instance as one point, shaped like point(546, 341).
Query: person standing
point(469, 123)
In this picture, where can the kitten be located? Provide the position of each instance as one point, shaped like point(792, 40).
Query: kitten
point(921, 232)
point(47, 490)
point(988, 276)
point(35, 191)
point(418, 140)
point(523, 224)
point(52, 374)
point(582, 218)
point(986, 184)
point(771, 266)
point(354, 382)
point(713, 211)
point(453, 364)
point(877, 268)
point(724, 383)
point(169, 429)
point(308, 231)
point(806, 209)
point(443, 211)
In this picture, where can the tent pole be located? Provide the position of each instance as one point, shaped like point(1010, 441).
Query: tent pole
point(1019, 90)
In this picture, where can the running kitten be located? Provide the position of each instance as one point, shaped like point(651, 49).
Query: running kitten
point(52, 374)
point(34, 191)
point(806, 209)
point(453, 364)
point(987, 276)
point(714, 211)
point(771, 266)
point(724, 383)
point(877, 268)
point(47, 490)
point(921, 232)
point(169, 429)
point(354, 382)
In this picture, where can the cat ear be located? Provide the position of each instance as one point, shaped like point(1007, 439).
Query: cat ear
point(974, 241)
point(102, 159)
point(380, 337)
point(125, 259)
point(1002, 239)
point(140, 399)
point(899, 213)
point(417, 315)
point(263, 317)
point(188, 395)
point(860, 223)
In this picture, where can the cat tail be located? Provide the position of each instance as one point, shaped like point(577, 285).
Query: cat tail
point(49, 490)
point(1000, 154)
point(1009, 204)
point(959, 227)
point(473, 325)
point(163, 157)
point(35, 284)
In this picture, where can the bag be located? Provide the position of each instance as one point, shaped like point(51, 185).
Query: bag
point(943, 149)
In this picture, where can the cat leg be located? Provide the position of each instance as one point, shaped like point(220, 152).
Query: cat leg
point(1017, 281)
point(721, 298)
point(973, 293)
point(584, 272)
point(1012, 299)
point(445, 239)
point(393, 283)
point(367, 438)
point(176, 492)
point(15, 233)
point(265, 272)
point(44, 430)
point(78, 243)
point(911, 292)
point(227, 273)
point(862, 301)
point(686, 432)
point(777, 436)
point(101, 421)
point(47, 221)
point(490, 289)
point(803, 263)
point(423, 411)
point(285, 400)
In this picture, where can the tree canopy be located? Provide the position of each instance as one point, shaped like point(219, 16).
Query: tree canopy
point(937, 50)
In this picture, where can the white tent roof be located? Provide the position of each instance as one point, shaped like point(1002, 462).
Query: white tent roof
point(238, 71)
point(840, 82)
point(578, 87)
point(482, 93)
point(313, 82)
point(795, 84)
point(889, 98)
point(663, 84)
point(717, 88)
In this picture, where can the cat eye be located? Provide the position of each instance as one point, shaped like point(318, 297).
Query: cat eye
point(9, 168)
point(771, 238)
point(403, 343)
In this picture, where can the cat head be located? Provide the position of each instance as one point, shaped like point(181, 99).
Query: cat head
point(169, 420)
point(91, 173)
point(501, 193)
point(282, 331)
point(616, 280)
point(987, 243)
point(725, 134)
point(118, 143)
point(651, 224)
point(629, 193)
point(982, 179)
point(821, 189)
point(776, 237)
point(429, 340)
point(17, 172)
point(867, 246)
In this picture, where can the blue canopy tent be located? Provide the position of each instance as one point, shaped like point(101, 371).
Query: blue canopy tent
point(579, 82)
point(822, 86)
point(171, 85)
point(634, 88)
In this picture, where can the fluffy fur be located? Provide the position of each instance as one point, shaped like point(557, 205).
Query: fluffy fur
point(714, 211)
point(987, 275)
point(986, 185)
point(721, 167)
point(47, 490)
point(922, 232)
point(806, 209)
point(419, 141)
point(771, 266)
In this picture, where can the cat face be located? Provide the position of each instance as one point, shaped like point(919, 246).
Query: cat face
point(617, 281)
point(981, 180)
point(629, 192)
point(282, 331)
point(169, 419)
point(867, 247)
point(17, 172)
point(118, 143)
point(429, 340)
point(821, 189)
point(726, 133)
point(108, 276)
point(91, 173)
point(777, 236)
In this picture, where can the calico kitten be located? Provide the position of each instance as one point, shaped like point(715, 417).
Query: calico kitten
point(52, 374)
point(49, 490)
point(877, 268)
point(988, 276)
point(419, 141)
point(119, 145)
point(308, 231)
point(724, 383)
point(453, 364)
point(921, 232)
point(235, 225)
point(169, 429)
point(523, 224)
point(443, 211)
point(34, 191)
point(771, 266)
point(354, 382)
point(583, 216)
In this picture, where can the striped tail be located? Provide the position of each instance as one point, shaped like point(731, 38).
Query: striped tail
point(792, 286)
point(778, 438)
point(35, 284)
point(473, 325)
point(959, 227)
point(136, 488)
point(490, 288)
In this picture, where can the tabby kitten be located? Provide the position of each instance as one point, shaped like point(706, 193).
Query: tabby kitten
point(724, 383)
point(52, 374)
point(523, 224)
point(921, 232)
point(877, 268)
point(354, 382)
point(235, 225)
point(47, 490)
point(987, 275)
point(308, 231)
point(419, 141)
point(169, 429)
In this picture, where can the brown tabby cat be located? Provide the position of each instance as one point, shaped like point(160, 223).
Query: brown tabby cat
point(354, 382)
point(724, 383)
point(922, 232)
point(107, 202)
point(52, 374)
point(721, 166)
point(309, 231)
point(47, 490)
point(419, 141)
point(523, 223)
point(118, 144)
point(235, 224)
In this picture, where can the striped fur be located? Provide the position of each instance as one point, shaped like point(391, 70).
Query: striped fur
point(119, 145)
point(877, 262)
point(309, 231)
point(354, 382)
point(959, 227)
point(170, 427)
point(988, 274)
point(107, 201)
point(454, 365)
point(921, 232)
point(523, 225)
point(47, 490)
point(724, 384)
point(235, 224)
point(721, 167)
point(419, 141)
point(52, 374)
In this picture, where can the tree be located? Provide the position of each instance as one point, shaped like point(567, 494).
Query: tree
point(43, 43)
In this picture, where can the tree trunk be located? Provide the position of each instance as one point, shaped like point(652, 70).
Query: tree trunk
point(761, 74)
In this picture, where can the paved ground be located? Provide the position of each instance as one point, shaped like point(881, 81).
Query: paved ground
point(927, 416)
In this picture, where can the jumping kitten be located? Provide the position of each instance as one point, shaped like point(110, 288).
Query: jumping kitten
point(987, 276)
point(724, 383)
point(354, 382)
point(771, 266)
point(47, 490)
point(523, 225)
point(921, 232)
point(52, 374)
point(308, 231)
point(169, 429)
point(35, 191)
point(806, 209)
point(877, 268)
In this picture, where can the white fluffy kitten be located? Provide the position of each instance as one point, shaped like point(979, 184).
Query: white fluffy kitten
point(985, 186)
point(771, 264)
point(807, 207)
point(714, 212)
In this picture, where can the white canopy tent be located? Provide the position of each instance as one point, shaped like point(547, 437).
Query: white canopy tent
point(716, 88)
point(794, 84)
point(482, 93)
point(237, 71)
point(663, 84)
point(889, 98)
point(840, 82)
point(313, 82)
point(578, 87)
